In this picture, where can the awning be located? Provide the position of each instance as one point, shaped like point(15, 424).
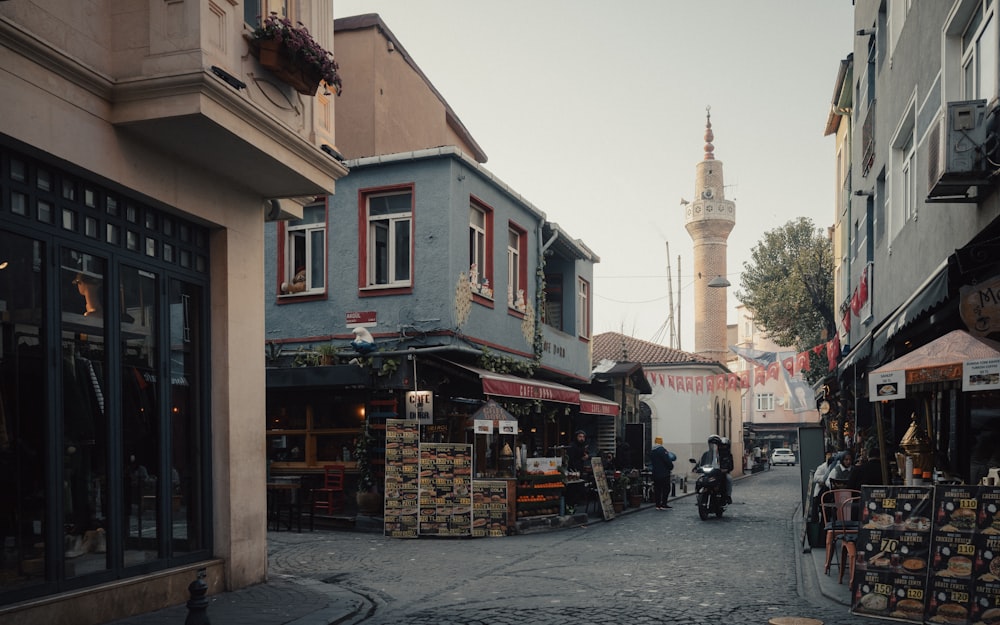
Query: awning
point(941, 359)
point(929, 294)
point(859, 352)
point(504, 385)
point(592, 404)
point(350, 376)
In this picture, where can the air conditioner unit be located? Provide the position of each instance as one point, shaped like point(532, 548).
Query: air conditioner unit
point(956, 155)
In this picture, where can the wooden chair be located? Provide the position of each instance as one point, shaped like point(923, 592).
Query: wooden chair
point(847, 539)
point(330, 497)
point(831, 503)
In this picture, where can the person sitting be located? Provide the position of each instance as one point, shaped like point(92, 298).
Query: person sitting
point(840, 471)
point(869, 472)
point(719, 456)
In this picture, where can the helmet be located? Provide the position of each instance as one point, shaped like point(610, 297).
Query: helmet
point(725, 441)
point(724, 444)
point(714, 439)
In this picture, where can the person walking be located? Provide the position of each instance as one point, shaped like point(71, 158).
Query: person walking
point(662, 462)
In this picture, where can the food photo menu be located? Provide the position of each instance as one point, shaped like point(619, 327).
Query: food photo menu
point(445, 489)
point(939, 549)
point(893, 544)
point(402, 486)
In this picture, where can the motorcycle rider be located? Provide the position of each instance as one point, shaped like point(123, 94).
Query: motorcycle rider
point(720, 456)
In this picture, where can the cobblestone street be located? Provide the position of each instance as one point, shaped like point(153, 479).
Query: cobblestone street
point(649, 566)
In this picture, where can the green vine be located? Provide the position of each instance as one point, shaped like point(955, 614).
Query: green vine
point(498, 363)
point(366, 481)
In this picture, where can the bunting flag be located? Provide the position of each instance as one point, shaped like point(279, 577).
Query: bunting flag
point(710, 383)
point(734, 381)
point(720, 382)
point(662, 383)
point(744, 379)
point(699, 385)
point(670, 381)
point(759, 375)
point(772, 371)
point(789, 365)
point(689, 383)
point(819, 349)
point(802, 361)
point(847, 320)
point(833, 352)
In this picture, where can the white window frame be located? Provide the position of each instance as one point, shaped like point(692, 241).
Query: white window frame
point(765, 402)
point(902, 179)
point(583, 308)
point(391, 223)
point(305, 248)
point(966, 53)
point(513, 266)
point(477, 240)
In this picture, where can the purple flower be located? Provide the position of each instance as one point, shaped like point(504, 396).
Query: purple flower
point(301, 46)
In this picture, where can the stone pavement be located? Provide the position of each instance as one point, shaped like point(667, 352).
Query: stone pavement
point(645, 566)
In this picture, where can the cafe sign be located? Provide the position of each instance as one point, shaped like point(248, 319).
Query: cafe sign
point(981, 375)
point(886, 385)
point(979, 306)
point(420, 406)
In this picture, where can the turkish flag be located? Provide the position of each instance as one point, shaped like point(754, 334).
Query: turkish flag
point(689, 383)
point(819, 349)
point(772, 371)
point(802, 361)
point(855, 303)
point(744, 379)
point(789, 365)
point(847, 321)
point(759, 375)
point(863, 288)
point(661, 380)
point(670, 381)
point(710, 383)
point(833, 352)
point(699, 385)
point(734, 381)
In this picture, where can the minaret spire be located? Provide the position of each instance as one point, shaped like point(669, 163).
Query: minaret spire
point(709, 135)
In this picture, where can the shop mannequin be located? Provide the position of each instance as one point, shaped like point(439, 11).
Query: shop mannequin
point(90, 289)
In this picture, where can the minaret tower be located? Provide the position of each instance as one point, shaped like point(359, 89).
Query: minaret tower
point(709, 220)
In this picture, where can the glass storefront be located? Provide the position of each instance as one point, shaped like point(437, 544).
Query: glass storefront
point(103, 402)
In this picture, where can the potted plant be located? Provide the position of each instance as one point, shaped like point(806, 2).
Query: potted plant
point(326, 353)
point(368, 498)
point(293, 56)
point(619, 490)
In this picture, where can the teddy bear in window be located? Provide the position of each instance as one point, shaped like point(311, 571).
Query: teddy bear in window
point(298, 283)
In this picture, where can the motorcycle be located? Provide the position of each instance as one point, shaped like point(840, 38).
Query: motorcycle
point(711, 490)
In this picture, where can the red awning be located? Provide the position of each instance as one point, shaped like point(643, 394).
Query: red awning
point(504, 385)
point(592, 404)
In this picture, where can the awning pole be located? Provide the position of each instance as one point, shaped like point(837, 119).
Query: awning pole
point(881, 442)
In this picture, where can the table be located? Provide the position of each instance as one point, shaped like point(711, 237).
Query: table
point(286, 495)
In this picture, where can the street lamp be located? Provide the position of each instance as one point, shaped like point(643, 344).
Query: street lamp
point(719, 282)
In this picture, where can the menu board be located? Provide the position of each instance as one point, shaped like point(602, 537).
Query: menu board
point(402, 488)
point(489, 508)
point(445, 489)
point(893, 544)
point(944, 556)
point(603, 493)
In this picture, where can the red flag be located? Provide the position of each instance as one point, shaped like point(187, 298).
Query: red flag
point(689, 383)
point(670, 381)
point(802, 361)
point(661, 380)
point(789, 365)
point(699, 384)
point(847, 320)
point(759, 375)
point(819, 349)
point(772, 370)
point(855, 303)
point(720, 382)
point(710, 383)
point(745, 379)
point(734, 381)
point(863, 288)
point(833, 352)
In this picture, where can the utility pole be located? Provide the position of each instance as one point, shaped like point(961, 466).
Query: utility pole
point(670, 302)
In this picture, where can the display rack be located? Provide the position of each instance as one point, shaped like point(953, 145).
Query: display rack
point(540, 495)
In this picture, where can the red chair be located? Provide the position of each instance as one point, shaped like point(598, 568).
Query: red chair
point(330, 497)
point(832, 504)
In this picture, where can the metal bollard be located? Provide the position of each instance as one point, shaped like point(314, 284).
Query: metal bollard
point(197, 605)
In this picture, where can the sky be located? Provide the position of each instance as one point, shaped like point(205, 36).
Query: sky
point(594, 111)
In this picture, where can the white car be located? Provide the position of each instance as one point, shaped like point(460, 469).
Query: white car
point(783, 455)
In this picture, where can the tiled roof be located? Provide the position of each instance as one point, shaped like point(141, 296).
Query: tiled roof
point(609, 346)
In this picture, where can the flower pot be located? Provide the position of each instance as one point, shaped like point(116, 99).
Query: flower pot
point(369, 504)
point(618, 506)
point(634, 501)
point(272, 55)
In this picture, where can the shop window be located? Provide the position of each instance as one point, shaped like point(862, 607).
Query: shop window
point(386, 239)
point(310, 429)
point(303, 267)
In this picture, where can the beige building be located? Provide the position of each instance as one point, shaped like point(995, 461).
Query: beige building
point(142, 145)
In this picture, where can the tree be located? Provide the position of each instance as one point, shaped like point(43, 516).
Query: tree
point(788, 285)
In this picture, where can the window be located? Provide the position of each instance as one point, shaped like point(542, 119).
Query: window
point(583, 308)
point(765, 401)
point(970, 52)
point(517, 269)
point(386, 240)
point(304, 270)
point(902, 179)
point(481, 249)
point(552, 314)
